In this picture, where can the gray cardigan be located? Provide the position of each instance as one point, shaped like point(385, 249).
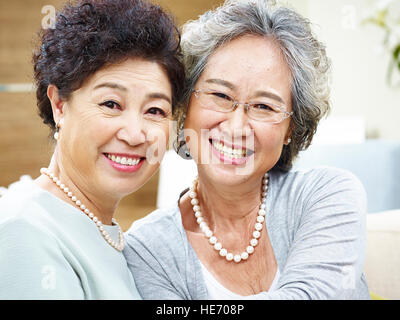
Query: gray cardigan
point(316, 221)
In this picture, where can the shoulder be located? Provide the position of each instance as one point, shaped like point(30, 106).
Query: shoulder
point(159, 228)
point(21, 203)
point(318, 192)
point(26, 219)
point(321, 179)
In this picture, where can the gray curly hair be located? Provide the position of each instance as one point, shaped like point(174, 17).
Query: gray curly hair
point(305, 55)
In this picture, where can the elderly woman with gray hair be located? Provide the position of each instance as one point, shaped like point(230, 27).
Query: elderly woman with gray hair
point(250, 226)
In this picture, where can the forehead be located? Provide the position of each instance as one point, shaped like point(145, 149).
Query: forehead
point(250, 61)
point(132, 73)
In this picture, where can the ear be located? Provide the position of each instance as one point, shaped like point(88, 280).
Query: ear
point(57, 104)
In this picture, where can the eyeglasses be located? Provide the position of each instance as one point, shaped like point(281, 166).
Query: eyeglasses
point(259, 111)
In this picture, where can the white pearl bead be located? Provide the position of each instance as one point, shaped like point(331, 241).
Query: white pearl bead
point(263, 206)
point(91, 215)
point(58, 183)
point(254, 242)
point(78, 203)
point(223, 252)
point(258, 226)
point(194, 202)
point(196, 208)
point(256, 234)
point(83, 207)
point(262, 212)
point(192, 194)
point(218, 246)
point(69, 194)
point(208, 233)
point(55, 179)
point(197, 214)
point(213, 240)
point(250, 249)
point(260, 219)
point(87, 211)
point(73, 198)
point(203, 225)
point(200, 220)
point(264, 194)
point(229, 257)
point(237, 258)
point(94, 219)
point(244, 255)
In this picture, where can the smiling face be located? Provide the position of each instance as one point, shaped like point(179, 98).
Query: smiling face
point(110, 128)
point(249, 69)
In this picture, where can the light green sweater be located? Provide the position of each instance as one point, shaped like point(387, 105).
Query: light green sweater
point(51, 250)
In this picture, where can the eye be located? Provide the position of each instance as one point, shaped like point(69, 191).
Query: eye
point(264, 107)
point(157, 112)
point(220, 95)
point(111, 104)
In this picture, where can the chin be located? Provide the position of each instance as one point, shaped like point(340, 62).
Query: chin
point(225, 174)
point(124, 185)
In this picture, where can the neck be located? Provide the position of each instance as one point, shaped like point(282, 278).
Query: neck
point(227, 206)
point(101, 206)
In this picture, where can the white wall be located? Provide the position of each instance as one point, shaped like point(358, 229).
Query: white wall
point(359, 74)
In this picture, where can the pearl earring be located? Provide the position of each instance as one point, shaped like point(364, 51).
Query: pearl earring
point(57, 134)
point(289, 141)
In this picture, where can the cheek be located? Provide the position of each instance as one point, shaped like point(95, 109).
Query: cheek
point(270, 142)
point(88, 133)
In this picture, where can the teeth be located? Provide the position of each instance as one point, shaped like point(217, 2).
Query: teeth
point(123, 160)
point(233, 153)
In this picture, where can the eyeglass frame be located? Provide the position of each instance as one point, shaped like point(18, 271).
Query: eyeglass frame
point(246, 105)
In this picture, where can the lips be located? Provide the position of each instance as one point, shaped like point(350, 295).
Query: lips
point(230, 154)
point(231, 151)
point(124, 162)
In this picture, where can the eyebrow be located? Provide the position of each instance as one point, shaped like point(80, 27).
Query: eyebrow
point(222, 82)
point(270, 95)
point(157, 95)
point(111, 85)
point(154, 95)
point(260, 93)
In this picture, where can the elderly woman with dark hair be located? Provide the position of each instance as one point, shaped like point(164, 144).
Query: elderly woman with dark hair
point(108, 75)
point(250, 226)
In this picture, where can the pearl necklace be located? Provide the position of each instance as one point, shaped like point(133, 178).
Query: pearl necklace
point(214, 241)
point(118, 246)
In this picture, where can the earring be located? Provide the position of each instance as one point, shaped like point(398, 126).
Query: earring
point(289, 141)
point(57, 134)
point(181, 147)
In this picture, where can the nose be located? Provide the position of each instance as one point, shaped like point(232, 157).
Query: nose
point(237, 124)
point(132, 130)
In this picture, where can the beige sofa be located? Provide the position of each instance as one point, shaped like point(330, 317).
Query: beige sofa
point(382, 265)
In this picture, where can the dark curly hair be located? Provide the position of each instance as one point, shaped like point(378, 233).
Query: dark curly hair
point(89, 34)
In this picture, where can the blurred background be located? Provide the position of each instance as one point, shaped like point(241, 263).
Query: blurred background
point(365, 105)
